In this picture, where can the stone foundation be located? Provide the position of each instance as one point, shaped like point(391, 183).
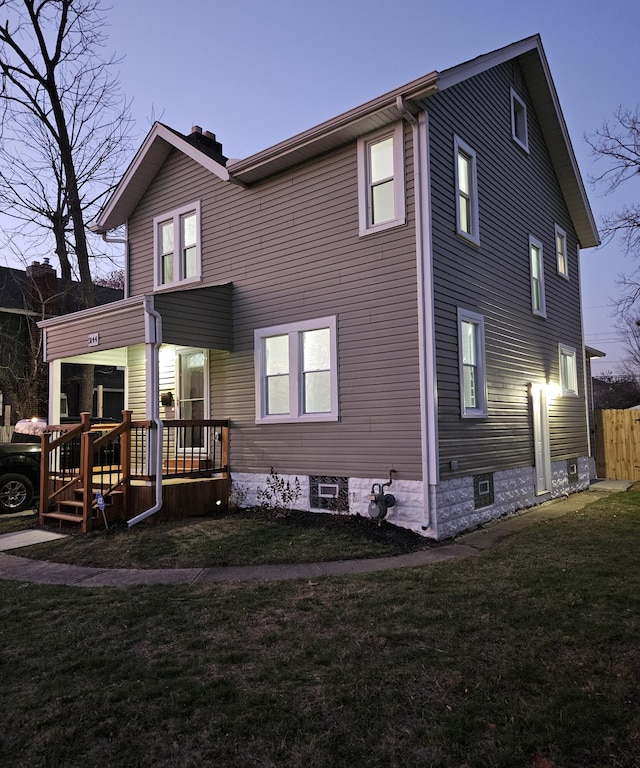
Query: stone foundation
point(456, 506)
point(513, 489)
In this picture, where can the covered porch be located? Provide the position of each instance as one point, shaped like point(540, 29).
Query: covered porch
point(167, 457)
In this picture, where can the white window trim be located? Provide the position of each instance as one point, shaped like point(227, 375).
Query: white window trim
point(481, 411)
point(364, 198)
point(542, 311)
point(559, 232)
point(177, 247)
point(296, 405)
point(460, 146)
point(568, 388)
point(515, 99)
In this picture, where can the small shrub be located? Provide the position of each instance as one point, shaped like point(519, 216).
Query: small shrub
point(237, 497)
point(279, 495)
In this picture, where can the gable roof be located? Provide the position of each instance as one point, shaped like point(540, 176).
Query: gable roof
point(148, 160)
point(369, 116)
point(537, 75)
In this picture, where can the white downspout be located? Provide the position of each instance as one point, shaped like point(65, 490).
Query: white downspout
point(426, 342)
point(153, 335)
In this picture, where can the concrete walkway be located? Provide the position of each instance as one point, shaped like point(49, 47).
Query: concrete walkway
point(467, 545)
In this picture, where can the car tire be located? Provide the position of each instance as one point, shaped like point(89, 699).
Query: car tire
point(16, 493)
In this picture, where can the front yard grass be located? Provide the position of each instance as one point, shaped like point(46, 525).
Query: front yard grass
point(523, 657)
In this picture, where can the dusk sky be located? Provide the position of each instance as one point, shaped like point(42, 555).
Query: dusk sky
point(255, 72)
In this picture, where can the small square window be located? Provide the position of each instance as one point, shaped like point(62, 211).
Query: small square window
point(519, 131)
point(483, 494)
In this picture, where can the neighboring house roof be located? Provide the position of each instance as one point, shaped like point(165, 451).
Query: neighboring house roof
point(14, 293)
point(348, 126)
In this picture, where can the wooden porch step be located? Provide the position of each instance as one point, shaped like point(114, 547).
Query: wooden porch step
point(66, 516)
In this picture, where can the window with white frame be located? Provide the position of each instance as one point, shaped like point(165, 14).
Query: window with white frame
point(471, 352)
point(561, 252)
point(177, 246)
point(519, 131)
point(538, 304)
point(297, 372)
point(467, 220)
point(568, 370)
point(381, 194)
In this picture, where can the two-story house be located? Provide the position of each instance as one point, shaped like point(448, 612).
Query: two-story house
point(396, 289)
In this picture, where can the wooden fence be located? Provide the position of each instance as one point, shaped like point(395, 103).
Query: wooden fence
point(617, 444)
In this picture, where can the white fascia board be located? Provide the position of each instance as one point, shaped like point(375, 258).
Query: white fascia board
point(104, 309)
point(460, 72)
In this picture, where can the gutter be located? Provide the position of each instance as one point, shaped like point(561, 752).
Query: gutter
point(153, 330)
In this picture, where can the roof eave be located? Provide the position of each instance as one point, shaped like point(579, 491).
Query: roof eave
point(330, 134)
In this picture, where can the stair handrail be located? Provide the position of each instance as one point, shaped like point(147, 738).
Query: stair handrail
point(122, 430)
point(47, 448)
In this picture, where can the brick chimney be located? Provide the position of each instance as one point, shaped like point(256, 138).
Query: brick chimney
point(42, 288)
point(207, 141)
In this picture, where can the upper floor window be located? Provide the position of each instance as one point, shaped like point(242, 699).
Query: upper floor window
point(519, 131)
point(538, 304)
point(473, 386)
point(568, 370)
point(177, 246)
point(381, 180)
point(561, 252)
point(466, 192)
point(297, 372)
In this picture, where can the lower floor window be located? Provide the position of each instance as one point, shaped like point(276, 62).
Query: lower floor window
point(296, 372)
point(568, 370)
point(473, 397)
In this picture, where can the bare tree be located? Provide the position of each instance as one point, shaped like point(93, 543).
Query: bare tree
point(113, 279)
point(23, 373)
point(65, 127)
point(617, 143)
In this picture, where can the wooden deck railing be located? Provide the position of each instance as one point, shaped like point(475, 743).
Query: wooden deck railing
point(82, 460)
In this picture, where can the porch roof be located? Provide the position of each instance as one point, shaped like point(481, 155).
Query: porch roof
point(200, 317)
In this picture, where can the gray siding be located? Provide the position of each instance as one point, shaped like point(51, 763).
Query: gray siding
point(198, 318)
point(291, 249)
point(518, 196)
point(115, 329)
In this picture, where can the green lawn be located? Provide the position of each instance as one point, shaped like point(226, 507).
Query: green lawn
point(527, 655)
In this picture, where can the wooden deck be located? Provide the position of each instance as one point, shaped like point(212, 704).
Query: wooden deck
point(78, 487)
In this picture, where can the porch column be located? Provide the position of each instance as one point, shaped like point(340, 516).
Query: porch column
point(55, 389)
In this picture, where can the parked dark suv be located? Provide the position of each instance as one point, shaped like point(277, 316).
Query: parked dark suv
point(20, 462)
point(20, 466)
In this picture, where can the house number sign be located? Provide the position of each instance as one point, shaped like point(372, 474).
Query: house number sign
point(94, 339)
